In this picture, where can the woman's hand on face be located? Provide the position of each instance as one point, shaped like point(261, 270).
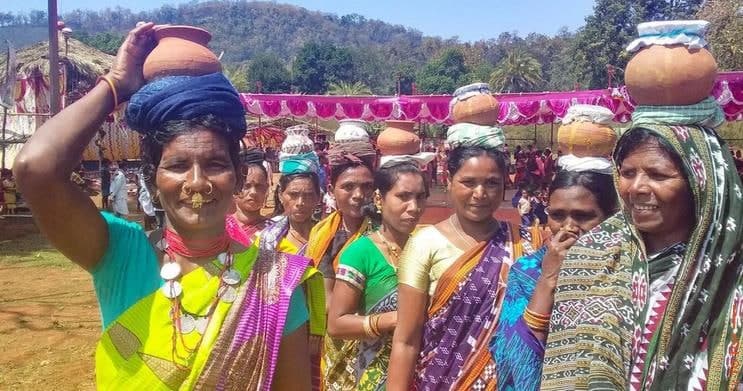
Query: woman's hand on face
point(557, 249)
point(127, 68)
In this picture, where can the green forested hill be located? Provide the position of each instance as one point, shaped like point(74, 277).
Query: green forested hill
point(276, 47)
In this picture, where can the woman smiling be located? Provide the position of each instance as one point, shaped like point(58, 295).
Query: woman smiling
point(651, 298)
point(187, 307)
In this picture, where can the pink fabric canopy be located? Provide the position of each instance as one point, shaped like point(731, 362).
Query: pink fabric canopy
point(515, 109)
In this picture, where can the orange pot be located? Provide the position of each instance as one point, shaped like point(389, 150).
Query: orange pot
point(670, 75)
point(481, 109)
point(180, 51)
point(586, 139)
point(399, 138)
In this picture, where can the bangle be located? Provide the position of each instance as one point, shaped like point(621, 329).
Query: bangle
point(375, 324)
point(111, 84)
point(367, 327)
point(536, 321)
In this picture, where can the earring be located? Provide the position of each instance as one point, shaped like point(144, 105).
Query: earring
point(378, 200)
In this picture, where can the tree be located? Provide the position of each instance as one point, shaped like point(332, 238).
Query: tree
point(37, 18)
point(317, 65)
point(518, 72)
point(613, 25)
point(348, 89)
point(106, 42)
point(443, 74)
point(725, 32)
point(238, 76)
point(268, 71)
point(668, 9)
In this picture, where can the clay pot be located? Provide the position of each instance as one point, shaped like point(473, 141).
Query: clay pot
point(586, 139)
point(399, 138)
point(480, 109)
point(180, 51)
point(670, 75)
point(351, 130)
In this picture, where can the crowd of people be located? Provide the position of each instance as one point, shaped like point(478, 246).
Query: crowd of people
point(635, 285)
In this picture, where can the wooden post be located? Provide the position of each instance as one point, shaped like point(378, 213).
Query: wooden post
point(5, 119)
point(53, 58)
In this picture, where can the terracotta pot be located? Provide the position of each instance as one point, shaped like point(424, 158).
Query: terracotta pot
point(586, 139)
point(475, 104)
point(670, 75)
point(180, 51)
point(399, 138)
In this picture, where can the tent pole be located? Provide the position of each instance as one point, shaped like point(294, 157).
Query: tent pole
point(53, 58)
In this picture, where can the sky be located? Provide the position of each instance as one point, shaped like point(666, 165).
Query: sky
point(470, 20)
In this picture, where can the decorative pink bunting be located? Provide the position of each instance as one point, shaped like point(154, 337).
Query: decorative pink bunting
point(515, 109)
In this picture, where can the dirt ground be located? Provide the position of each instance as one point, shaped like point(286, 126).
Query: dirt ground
point(49, 320)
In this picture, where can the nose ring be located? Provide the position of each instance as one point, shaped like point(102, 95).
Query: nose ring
point(211, 188)
point(187, 189)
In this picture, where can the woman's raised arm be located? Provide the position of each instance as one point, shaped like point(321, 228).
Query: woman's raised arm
point(63, 212)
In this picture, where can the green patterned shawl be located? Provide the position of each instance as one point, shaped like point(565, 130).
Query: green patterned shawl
point(596, 317)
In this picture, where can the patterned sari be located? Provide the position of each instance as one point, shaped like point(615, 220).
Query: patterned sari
point(142, 350)
point(624, 319)
point(518, 353)
point(362, 364)
point(325, 246)
point(462, 317)
point(273, 238)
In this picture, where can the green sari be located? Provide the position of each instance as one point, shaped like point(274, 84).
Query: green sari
point(362, 365)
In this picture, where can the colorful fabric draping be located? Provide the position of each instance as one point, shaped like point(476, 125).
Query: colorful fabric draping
point(462, 317)
point(273, 239)
point(363, 364)
point(681, 310)
point(518, 353)
point(136, 348)
point(515, 109)
point(321, 238)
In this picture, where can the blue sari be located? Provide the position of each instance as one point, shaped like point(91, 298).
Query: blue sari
point(518, 353)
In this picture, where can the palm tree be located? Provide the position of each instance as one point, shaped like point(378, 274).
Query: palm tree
point(345, 88)
point(518, 72)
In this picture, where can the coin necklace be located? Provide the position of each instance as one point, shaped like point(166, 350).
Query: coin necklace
point(183, 321)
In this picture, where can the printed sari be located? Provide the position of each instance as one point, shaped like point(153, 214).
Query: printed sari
point(141, 348)
point(243, 234)
point(325, 246)
point(518, 353)
point(625, 319)
point(273, 238)
point(363, 364)
point(462, 317)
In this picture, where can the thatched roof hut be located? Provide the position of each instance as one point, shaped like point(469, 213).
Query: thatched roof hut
point(82, 65)
point(83, 62)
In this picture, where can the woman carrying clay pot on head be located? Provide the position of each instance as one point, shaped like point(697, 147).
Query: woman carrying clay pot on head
point(364, 307)
point(452, 275)
point(581, 196)
point(651, 299)
point(187, 307)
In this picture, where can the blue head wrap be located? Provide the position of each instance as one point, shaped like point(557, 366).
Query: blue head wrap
point(183, 98)
point(299, 163)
